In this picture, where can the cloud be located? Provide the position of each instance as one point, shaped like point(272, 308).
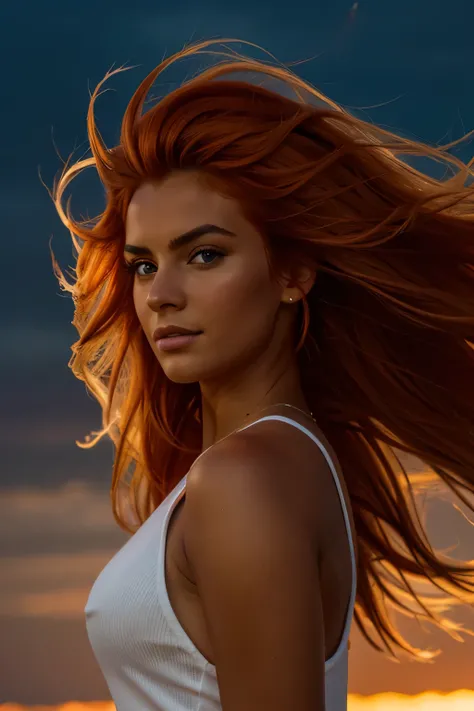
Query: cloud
point(25, 343)
point(55, 586)
point(460, 700)
point(62, 511)
point(69, 706)
point(72, 518)
point(39, 433)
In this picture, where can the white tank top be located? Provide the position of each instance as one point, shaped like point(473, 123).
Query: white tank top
point(146, 657)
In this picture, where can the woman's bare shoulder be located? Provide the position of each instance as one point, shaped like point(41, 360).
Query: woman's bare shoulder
point(270, 459)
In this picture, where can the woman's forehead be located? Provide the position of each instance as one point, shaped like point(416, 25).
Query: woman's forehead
point(177, 204)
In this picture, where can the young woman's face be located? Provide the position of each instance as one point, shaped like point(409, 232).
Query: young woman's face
point(218, 284)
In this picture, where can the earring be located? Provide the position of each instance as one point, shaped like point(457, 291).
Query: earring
point(290, 299)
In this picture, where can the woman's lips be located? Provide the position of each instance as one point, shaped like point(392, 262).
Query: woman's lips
point(170, 343)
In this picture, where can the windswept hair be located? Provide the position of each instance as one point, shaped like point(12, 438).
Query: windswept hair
point(385, 355)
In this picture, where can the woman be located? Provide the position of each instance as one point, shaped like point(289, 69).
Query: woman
point(271, 286)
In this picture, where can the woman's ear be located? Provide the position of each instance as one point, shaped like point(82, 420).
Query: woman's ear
point(299, 283)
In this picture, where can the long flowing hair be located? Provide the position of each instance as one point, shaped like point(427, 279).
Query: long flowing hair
point(385, 352)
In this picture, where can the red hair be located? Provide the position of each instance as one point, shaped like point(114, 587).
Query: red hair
point(387, 361)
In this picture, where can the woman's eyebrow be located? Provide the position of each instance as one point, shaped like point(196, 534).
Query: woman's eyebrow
point(187, 237)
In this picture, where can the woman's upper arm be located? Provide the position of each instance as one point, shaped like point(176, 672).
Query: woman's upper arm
point(257, 576)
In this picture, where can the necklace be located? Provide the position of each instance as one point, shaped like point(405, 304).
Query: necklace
point(285, 404)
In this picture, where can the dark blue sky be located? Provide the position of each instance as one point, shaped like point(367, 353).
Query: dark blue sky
point(403, 64)
point(412, 60)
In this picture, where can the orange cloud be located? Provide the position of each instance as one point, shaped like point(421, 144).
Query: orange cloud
point(462, 700)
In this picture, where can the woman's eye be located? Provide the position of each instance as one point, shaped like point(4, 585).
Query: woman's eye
point(133, 267)
point(205, 254)
point(208, 256)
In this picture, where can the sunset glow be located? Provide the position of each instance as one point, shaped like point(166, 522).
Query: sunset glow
point(462, 700)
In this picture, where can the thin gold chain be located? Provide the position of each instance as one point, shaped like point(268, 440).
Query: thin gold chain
point(285, 404)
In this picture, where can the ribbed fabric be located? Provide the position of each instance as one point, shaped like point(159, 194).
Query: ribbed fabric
point(147, 659)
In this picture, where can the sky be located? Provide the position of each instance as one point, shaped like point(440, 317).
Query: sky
point(405, 65)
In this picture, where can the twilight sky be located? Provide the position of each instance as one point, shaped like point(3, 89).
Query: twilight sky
point(403, 64)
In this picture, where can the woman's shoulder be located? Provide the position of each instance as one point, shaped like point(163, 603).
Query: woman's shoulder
point(270, 462)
